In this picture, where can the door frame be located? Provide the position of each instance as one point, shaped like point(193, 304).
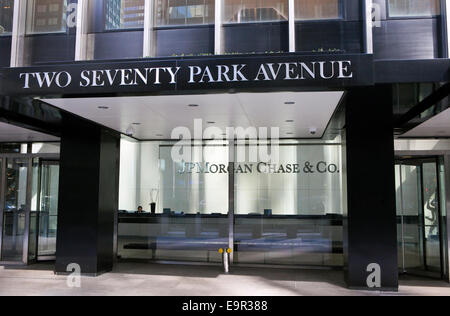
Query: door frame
point(26, 240)
point(440, 157)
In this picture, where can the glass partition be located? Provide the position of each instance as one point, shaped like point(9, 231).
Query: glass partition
point(176, 214)
point(6, 24)
point(290, 212)
point(285, 213)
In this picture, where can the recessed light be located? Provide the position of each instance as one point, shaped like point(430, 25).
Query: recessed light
point(103, 107)
point(193, 105)
point(289, 102)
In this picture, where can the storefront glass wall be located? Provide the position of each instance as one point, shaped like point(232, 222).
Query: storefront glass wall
point(50, 31)
point(289, 213)
point(6, 24)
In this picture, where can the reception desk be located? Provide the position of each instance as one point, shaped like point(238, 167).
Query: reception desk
point(277, 239)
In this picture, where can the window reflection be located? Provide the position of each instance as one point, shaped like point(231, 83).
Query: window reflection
point(242, 11)
point(184, 12)
point(317, 9)
point(46, 16)
point(124, 14)
point(402, 8)
point(6, 16)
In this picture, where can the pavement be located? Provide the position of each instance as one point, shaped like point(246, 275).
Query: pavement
point(143, 279)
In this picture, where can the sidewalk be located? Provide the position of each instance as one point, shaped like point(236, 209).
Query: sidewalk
point(157, 280)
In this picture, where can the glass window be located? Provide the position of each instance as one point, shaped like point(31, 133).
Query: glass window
point(242, 11)
point(405, 8)
point(124, 14)
point(317, 9)
point(6, 16)
point(46, 16)
point(184, 12)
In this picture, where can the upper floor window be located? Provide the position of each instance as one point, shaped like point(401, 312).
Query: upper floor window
point(124, 14)
point(46, 16)
point(6, 16)
point(414, 8)
point(317, 9)
point(243, 11)
point(184, 12)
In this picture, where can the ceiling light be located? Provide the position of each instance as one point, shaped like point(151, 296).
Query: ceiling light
point(130, 131)
point(193, 105)
point(159, 135)
point(103, 107)
point(211, 122)
point(137, 124)
point(289, 121)
point(289, 102)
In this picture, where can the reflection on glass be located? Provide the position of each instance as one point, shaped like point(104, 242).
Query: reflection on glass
point(46, 16)
point(6, 16)
point(242, 11)
point(189, 220)
point(431, 215)
point(14, 210)
point(317, 9)
point(184, 12)
point(48, 212)
point(124, 14)
point(290, 212)
point(409, 204)
point(405, 8)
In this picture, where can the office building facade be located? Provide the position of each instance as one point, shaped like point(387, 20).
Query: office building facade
point(296, 133)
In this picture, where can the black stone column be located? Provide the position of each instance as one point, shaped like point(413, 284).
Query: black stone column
point(88, 197)
point(370, 232)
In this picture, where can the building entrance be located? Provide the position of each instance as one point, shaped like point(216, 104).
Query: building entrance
point(420, 216)
point(28, 207)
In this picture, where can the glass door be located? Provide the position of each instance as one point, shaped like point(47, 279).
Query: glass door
point(47, 215)
point(15, 207)
point(419, 217)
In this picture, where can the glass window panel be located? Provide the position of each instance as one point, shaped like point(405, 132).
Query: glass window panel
point(317, 9)
point(184, 12)
point(405, 8)
point(6, 16)
point(124, 14)
point(242, 11)
point(46, 16)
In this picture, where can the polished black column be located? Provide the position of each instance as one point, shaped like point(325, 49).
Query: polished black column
point(370, 233)
point(88, 197)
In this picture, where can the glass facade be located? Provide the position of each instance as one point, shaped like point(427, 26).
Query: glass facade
point(50, 32)
point(242, 11)
point(6, 16)
point(414, 8)
point(124, 14)
point(6, 24)
point(112, 23)
point(317, 10)
point(289, 213)
point(184, 12)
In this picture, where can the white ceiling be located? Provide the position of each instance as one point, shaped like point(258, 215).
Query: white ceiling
point(13, 134)
point(159, 115)
point(437, 126)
